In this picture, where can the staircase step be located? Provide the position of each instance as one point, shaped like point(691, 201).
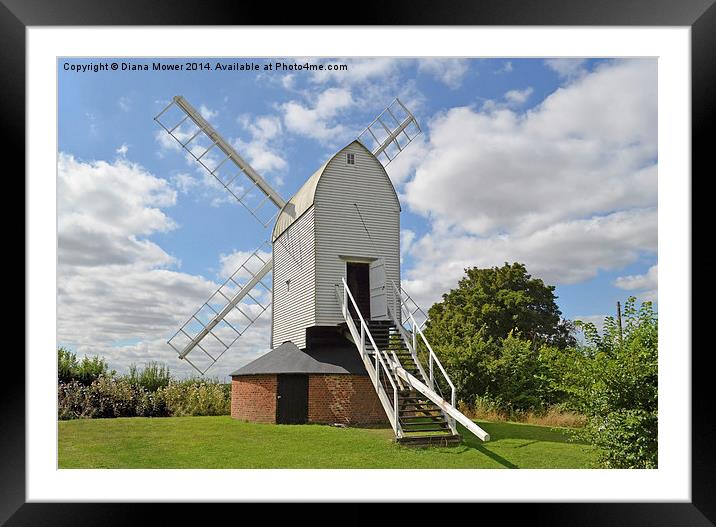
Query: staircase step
point(419, 413)
point(423, 403)
point(430, 440)
point(412, 419)
point(425, 427)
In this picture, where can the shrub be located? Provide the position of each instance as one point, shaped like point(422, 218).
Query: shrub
point(616, 386)
point(151, 378)
point(111, 396)
point(85, 371)
point(73, 401)
point(192, 398)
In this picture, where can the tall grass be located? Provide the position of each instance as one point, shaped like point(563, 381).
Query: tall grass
point(487, 410)
point(151, 378)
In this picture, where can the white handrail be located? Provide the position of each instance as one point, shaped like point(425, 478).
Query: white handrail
point(449, 409)
point(379, 358)
point(403, 298)
point(432, 357)
point(453, 414)
point(409, 342)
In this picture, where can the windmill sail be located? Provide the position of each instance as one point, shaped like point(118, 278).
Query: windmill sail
point(204, 144)
point(236, 305)
point(228, 313)
point(390, 132)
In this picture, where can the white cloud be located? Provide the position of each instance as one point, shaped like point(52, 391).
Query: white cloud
point(185, 182)
point(569, 187)
point(263, 127)
point(402, 166)
point(567, 68)
point(262, 151)
point(122, 150)
point(518, 97)
point(506, 67)
point(288, 81)
point(407, 237)
point(318, 120)
point(208, 113)
point(587, 149)
point(645, 285)
point(124, 104)
point(260, 156)
point(117, 295)
point(119, 197)
point(231, 262)
point(563, 253)
point(448, 71)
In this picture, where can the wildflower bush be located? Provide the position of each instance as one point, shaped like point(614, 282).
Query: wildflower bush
point(151, 392)
point(194, 398)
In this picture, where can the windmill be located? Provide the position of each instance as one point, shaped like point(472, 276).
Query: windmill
point(333, 261)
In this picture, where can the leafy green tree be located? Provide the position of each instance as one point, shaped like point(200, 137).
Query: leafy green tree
point(615, 385)
point(515, 375)
point(488, 332)
point(497, 301)
point(468, 364)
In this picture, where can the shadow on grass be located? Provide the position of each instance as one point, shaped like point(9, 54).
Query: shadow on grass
point(495, 457)
point(507, 430)
point(510, 431)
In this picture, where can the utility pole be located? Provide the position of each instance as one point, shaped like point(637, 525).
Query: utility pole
point(619, 322)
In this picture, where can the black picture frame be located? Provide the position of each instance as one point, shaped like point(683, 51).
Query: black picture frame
point(699, 15)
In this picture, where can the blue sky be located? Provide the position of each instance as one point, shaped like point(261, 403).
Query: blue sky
point(549, 162)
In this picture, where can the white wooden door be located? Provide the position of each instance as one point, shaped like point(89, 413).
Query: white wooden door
point(378, 291)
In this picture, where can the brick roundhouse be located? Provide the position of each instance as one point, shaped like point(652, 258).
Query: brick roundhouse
point(325, 383)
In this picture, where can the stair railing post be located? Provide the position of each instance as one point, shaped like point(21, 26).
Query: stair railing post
point(432, 381)
point(362, 339)
point(345, 301)
point(395, 408)
point(377, 369)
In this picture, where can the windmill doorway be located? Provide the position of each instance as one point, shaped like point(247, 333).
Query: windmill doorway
point(358, 280)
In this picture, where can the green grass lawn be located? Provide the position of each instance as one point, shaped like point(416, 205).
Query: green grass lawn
point(222, 442)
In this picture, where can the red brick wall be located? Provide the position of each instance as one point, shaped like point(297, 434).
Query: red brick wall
point(347, 399)
point(253, 398)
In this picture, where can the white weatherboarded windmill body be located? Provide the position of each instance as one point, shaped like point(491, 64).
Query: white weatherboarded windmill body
point(347, 344)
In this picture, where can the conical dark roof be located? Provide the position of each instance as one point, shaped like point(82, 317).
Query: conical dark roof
point(288, 358)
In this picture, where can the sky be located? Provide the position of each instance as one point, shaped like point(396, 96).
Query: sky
point(549, 162)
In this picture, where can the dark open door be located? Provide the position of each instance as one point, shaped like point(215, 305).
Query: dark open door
point(292, 399)
point(358, 280)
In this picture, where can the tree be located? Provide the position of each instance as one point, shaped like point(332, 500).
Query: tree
point(615, 385)
point(516, 375)
point(495, 302)
point(490, 330)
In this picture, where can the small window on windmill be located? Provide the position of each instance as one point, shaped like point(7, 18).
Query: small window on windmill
point(351, 159)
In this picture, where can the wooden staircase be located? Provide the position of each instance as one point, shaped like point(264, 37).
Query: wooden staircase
point(422, 421)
